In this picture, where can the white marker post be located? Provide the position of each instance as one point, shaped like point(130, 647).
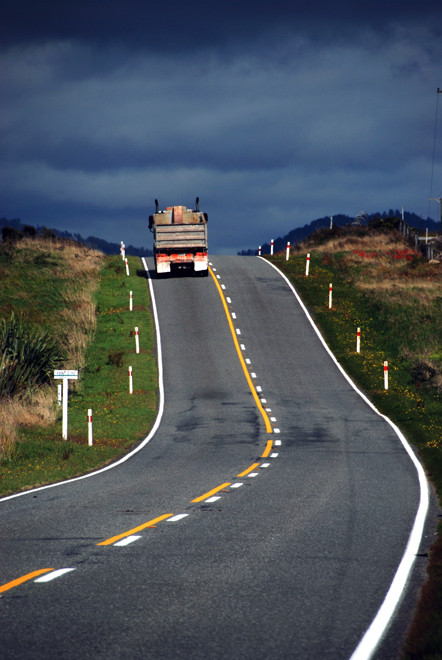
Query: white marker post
point(287, 252)
point(90, 438)
point(65, 375)
point(127, 267)
point(137, 341)
point(358, 340)
point(271, 246)
point(259, 251)
point(307, 265)
point(131, 301)
point(330, 294)
point(385, 375)
point(131, 383)
point(123, 251)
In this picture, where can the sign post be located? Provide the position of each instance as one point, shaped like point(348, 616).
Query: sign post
point(65, 375)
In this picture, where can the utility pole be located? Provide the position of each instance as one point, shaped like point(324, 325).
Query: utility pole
point(438, 199)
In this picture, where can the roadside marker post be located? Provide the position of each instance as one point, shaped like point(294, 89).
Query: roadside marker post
point(385, 375)
point(65, 375)
point(137, 341)
point(287, 253)
point(131, 301)
point(307, 265)
point(90, 439)
point(271, 246)
point(330, 294)
point(127, 267)
point(259, 251)
point(358, 340)
point(123, 251)
point(131, 383)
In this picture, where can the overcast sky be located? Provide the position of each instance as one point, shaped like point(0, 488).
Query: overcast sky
point(273, 113)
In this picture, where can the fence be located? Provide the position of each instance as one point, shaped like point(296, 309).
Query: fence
point(428, 249)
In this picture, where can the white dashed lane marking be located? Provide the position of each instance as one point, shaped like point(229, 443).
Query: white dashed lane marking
point(128, 540)
point(53, 575)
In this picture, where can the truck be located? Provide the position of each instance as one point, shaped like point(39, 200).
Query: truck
point(180, 239)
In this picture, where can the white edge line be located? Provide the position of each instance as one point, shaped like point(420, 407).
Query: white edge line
point(153, 429)
point(378, 627)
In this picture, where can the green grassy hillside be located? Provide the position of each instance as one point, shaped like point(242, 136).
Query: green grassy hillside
point(77, 299)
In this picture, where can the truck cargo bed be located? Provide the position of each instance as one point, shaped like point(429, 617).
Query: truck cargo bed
point(180, 236)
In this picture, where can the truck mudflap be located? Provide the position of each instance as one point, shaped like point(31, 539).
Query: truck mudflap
point(162, 264)
point(199, 261)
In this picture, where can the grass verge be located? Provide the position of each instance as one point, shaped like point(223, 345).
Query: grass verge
point(39, 455)
point(394, 297)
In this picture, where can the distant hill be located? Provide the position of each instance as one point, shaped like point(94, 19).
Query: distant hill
point(92, 241)
point(300, 233)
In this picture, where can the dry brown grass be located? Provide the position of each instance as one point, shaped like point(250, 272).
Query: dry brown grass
point(37, 409)
point(401, 291)
point(384, 264)
point(80, 269)
point(76, 322)
point(354, 241)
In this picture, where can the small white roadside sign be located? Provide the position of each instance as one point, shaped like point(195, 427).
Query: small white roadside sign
point(65, 375)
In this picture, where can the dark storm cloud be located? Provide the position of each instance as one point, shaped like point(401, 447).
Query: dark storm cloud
point(188, 26)
point(273, 114)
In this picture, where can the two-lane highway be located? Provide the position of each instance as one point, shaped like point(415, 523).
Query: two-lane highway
point(249, 526)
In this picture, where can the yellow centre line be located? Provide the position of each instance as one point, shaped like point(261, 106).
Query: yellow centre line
point(24, 578)
point(241, 359)
point(249, 469)
point(150, 523)
point(265, 417)
point(211, 492)
point(268, 449)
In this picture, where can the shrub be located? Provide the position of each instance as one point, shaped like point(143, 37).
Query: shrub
point(384, 224)
point(27, 357)
point(11, 235)
point(48, 234)
point(29, 231)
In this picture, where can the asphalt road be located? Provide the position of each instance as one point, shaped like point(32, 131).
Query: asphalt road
point(293, 559)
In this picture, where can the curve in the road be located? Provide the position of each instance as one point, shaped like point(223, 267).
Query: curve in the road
point(373, 636)
point(381, 621)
